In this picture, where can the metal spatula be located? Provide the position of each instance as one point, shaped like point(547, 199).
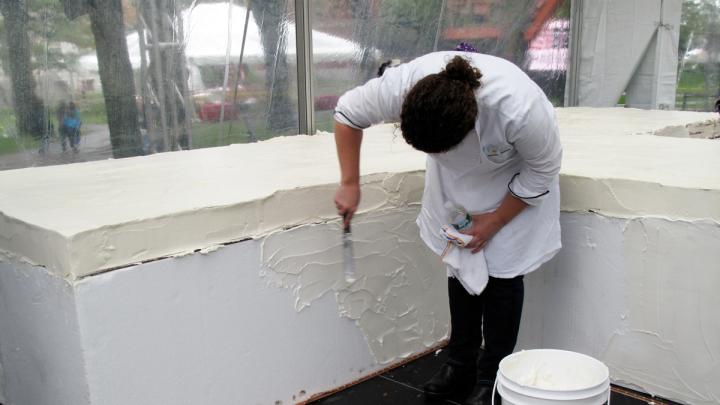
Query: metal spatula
point(348, 257)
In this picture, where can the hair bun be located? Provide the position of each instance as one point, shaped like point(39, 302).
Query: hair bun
point(460, 69)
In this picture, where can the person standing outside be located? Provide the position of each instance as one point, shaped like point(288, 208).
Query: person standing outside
point(72, 124)
point(62, 130)
point(493, 150)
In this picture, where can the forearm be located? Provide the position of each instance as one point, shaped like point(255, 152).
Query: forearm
point(488, 224)
point(509, 208)
point(347, 142)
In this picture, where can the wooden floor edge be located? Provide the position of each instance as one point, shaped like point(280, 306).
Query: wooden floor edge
point(402, 362)
point(639, 395)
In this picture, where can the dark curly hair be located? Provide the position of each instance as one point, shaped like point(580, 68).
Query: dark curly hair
point(441, 108)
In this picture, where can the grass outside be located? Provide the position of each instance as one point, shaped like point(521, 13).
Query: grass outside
point(209, 134)
point(13, 145)
point(205, 134)
point(692, 92)
point(7, 122)
point(692, 103)
point(92, 109)
point(9, 143)
point(692, 80)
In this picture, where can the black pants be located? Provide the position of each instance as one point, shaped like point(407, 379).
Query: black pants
point(493, 315)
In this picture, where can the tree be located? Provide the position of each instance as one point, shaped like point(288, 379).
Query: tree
point(271, 16)
point(168, 72)
point(48, 28)
point(29, 109)
point(408, 27)
point(700, 28)
point(363, 33)
point(116, 75)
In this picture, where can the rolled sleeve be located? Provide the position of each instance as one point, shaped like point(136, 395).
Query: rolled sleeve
point(537, 141)
point(378, 100)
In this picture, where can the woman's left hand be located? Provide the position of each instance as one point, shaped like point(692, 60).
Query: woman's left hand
point(484, 227)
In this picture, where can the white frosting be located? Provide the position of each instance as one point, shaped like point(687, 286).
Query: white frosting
point(82, 218)
point(554, 370)
point(85, 218)
point(639, 294)
point(88, 217)
point(393, 269)
point(604, 170)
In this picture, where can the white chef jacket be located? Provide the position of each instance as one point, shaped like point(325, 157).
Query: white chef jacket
point(514, 147)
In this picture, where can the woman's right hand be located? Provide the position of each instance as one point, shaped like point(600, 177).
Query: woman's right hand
point(347, 198)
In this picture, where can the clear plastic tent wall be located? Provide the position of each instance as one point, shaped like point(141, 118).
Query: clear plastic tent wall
point(138, 77)
point(627, 46)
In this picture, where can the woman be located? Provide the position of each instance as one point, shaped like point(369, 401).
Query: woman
point(62, 130)
point(72, 124)
point(494, 152)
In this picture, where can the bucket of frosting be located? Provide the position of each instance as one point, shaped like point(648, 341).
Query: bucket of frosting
point(548, 376)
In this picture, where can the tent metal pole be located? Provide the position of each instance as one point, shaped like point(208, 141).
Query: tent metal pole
point(189, 107)
point(238, 71)
point(304, 61)
point(226, 76)
point(148, 110)
point(157, 70)
point(573, 66)
point(441, 15)
point(170, 74)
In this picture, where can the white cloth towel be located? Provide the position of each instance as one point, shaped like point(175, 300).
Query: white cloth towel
point(469, 269)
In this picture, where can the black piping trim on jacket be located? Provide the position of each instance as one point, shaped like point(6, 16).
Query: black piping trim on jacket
point(349, 120)
point(523, 198)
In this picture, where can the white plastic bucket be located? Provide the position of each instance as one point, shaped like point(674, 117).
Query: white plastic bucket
point(546, 376)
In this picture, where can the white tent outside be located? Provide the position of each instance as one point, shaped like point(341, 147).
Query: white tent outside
point(206, 29)
point(548, 50)
point(700, 55)
point(629, 46)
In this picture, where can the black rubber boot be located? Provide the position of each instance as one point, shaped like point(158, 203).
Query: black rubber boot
point(449, 379)
point(480, 395)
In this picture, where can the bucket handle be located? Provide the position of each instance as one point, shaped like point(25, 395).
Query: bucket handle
point(492, 401)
